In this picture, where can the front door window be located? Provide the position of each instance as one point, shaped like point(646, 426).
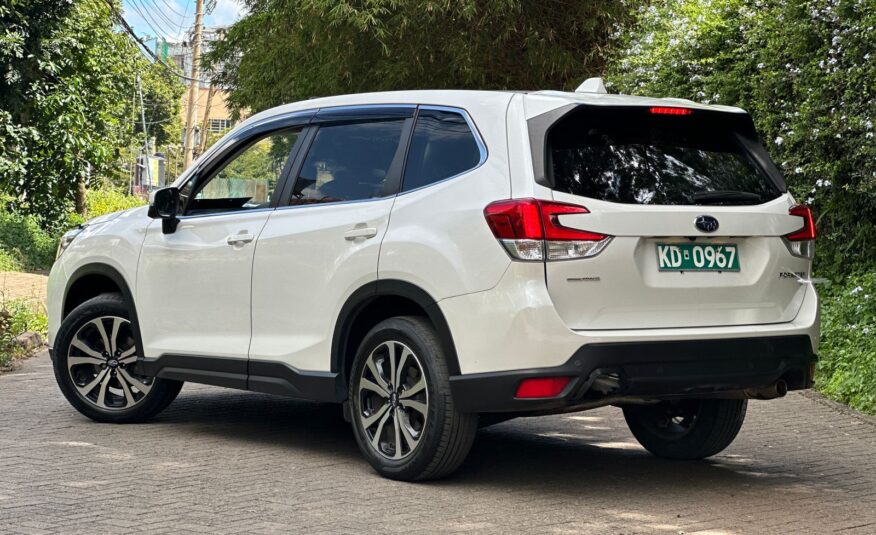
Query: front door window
point(247, 181)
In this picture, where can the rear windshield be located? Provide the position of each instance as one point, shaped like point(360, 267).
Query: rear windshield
point(636, 156)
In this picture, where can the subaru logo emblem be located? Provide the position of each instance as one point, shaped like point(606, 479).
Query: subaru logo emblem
point(706, 223)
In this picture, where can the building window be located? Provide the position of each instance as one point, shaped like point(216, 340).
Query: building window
point(219, 125)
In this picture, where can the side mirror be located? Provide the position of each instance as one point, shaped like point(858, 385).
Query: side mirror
point(164, 205)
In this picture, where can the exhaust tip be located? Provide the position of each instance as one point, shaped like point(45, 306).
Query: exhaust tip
point(775, 390)
point(781, 388)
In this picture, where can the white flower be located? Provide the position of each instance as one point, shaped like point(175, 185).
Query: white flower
point(779, 140)
point(798, 170)
point(855, 290)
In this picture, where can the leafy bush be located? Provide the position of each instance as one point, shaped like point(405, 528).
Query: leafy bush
point(8, 262)
point(847, 371)
point(105, 201)
point(18, 316)
point(24, 244)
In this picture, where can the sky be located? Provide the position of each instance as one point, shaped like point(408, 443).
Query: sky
point(171, 19)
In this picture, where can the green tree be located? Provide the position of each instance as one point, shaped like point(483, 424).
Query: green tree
point(290, 50)
point(68, 111)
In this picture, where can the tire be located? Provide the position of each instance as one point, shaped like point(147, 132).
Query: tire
point(686, 429)
point(409, 431)
point(97, 383)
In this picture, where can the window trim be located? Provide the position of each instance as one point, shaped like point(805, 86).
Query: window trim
point(482, 147)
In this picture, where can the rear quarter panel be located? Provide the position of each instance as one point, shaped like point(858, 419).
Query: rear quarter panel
point(437, 237)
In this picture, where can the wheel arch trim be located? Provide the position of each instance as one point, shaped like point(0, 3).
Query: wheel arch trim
point(369, 292)
point(114, 275)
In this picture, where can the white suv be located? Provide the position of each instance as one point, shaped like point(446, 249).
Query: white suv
point(433, 260)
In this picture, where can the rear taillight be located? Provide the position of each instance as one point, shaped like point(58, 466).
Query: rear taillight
point(802, 242)
point(530, 229)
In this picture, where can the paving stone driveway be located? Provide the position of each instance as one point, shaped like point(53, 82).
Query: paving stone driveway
point(221, 461)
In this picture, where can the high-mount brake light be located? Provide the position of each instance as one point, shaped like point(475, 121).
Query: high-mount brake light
point(669, 110)
point(530, 229)
point(802, 242)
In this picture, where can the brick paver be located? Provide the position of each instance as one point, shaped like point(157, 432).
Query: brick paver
point(222, 461)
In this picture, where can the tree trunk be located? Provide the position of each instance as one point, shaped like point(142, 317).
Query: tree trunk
point(81, 193)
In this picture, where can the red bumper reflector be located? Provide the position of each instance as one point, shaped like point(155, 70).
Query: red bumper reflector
point(541, 387)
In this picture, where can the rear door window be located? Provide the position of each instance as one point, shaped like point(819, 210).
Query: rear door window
point(348, 162)
point(442, 146)
point(642, 156)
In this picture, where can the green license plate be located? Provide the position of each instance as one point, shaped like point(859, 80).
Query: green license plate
point(697, 257)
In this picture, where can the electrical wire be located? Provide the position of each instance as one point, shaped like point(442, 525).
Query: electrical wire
point(130, 31)
point(152, 21)
point(161, 14)
point(175, 12)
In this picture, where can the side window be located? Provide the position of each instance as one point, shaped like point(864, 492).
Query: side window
point(247, 181)
point(347, 162)
point(442, 146)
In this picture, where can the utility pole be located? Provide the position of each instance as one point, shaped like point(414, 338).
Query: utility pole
point(194, 86)
point(202, 146)
point(145, 133)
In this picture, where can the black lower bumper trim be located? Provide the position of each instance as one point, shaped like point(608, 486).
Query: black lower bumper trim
point(653, 370)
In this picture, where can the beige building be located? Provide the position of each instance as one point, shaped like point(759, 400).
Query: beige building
point(218, 116)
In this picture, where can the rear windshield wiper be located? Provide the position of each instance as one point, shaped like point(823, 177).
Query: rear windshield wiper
point(709, 197)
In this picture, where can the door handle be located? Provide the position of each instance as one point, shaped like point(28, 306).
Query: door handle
point(239, 239)
point(360, 232)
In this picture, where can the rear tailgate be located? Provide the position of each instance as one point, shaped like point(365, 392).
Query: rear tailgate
point(646, 178)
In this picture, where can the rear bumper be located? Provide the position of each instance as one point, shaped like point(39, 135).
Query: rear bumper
point(668, 369)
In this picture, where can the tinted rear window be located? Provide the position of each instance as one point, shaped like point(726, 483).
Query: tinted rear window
point(629, 155)
point(443, 146)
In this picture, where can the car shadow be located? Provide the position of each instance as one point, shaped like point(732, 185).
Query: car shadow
point(517, 455)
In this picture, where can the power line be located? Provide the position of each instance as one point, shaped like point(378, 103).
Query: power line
point(155, 19)
point(127, 27)
point(184, 18)
point(147, 4)
point(171, 8)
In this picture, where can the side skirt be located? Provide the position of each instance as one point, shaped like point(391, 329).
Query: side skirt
point(270, 377)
